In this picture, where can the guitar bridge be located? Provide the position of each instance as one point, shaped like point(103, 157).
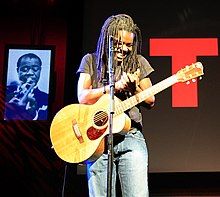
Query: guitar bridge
point(77, 131)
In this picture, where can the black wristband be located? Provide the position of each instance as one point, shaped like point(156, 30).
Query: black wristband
point(104, 83)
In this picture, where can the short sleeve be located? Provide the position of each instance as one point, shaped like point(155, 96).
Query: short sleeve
point(86, 65)
point(145, 68)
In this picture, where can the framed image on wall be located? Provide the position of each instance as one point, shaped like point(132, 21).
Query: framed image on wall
point(28, 75)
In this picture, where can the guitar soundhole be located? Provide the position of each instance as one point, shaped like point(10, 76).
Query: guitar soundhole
point(100, 119)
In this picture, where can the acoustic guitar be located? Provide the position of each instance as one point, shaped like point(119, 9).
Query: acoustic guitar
point(77, 131)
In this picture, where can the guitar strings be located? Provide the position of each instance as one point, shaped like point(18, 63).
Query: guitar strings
point(100, 116)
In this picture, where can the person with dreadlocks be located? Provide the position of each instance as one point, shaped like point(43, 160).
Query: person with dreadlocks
point(131, 76)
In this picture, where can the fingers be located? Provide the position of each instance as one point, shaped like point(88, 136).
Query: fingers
point(137, 73)
point(128, 79)
point(131, 77)
point(124, 78)
point(137, 76)
point(122, 83)
point(119, 85)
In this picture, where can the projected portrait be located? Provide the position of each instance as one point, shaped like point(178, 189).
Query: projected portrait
point(28, 76)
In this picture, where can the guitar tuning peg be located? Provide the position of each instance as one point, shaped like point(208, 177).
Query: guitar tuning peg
point(188, 82)
point(193, 80)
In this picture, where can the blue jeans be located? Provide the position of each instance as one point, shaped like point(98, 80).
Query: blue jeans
point(130, 163)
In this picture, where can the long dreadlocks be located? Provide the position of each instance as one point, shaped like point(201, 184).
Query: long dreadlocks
point(111, 27)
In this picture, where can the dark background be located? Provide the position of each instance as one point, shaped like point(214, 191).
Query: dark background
point(183, 143)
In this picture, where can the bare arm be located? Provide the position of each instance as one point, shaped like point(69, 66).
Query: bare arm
point(143, 85)
point(87, 95)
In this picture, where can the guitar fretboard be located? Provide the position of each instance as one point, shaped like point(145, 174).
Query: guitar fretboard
point(141, 96)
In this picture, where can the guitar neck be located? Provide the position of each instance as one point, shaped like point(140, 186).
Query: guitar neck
point(141, 96)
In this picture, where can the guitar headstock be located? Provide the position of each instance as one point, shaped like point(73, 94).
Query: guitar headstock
point(190, 72)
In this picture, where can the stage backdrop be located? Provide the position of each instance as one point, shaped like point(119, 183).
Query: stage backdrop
point(182, 130)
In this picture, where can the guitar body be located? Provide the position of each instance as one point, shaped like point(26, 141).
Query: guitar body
point(77, 131)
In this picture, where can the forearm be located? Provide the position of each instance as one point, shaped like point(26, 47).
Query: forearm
point(90, 96)
point(149, 102)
